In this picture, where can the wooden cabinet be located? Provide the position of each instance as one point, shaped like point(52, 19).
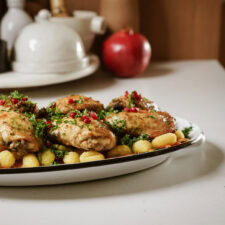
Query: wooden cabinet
point(177, 29)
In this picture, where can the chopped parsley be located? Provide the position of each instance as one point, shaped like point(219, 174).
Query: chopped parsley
point(58, 153)
point(118, 126)
point(186, 131)
point(80, 101)
point(104, 113)
point(130, 100)
point(39, 125)
point(17, 95)
point(129, 140)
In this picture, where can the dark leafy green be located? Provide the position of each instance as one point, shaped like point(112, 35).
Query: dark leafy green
point(186, 131)
point(130, 140)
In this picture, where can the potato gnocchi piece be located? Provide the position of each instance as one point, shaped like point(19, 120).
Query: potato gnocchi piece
point(142, 146)
point(179, 134)
point(119, 150)
point(164, 140)
point(7, 159)
point(89, 156)
point(71, 157)
point(30, 160)
point(47, 157)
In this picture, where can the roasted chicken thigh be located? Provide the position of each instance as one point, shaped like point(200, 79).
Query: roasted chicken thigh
point(77, 102)
point(132, 100)
point(92, 136)
point(17, 134)
point(142, 122)
point(17, 102)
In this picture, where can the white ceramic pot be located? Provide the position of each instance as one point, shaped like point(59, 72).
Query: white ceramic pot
point(13, 22)
point(86, 23)
point(47, 47)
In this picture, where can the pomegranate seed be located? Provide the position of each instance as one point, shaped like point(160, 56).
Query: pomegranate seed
point(48, 123)
point(2, 102)
point(94, 116)
point(86, 119)
point(14, 100)
point(70, 101)
point(126, 94)
point(139, 97)
point(72, 114)
point(48, 143)
point(58, 159)
point(136, 96)
point(127, 109)
point(24, 99)
point(134, 109)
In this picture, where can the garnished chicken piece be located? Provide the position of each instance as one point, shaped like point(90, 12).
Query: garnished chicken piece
point(141, 122)
point(77, 102)
point(83, 132)
point(132, 100)
point(17, 134)
point(17, 102)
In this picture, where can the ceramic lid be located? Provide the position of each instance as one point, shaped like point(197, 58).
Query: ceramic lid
point(48, 47)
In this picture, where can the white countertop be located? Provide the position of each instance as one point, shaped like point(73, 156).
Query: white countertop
point(189, 188)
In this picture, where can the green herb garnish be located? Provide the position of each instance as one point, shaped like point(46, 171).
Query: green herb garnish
point(104, 113)
point(17, 95)
point(118, 126)
point(39, 125)
point(130, 140)
point(130, 100)
point(186, 131)
point(80, 101)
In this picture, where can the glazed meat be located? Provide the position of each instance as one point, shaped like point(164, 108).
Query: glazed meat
point(93, 136)
point(137, 101)
point(17, 134)
point(77, 102)
point(142, 122)
point(17, 102)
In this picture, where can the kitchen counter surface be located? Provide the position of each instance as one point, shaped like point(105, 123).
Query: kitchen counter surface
point(189, 188)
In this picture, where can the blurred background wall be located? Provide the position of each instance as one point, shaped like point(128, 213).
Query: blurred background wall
point(177, 29)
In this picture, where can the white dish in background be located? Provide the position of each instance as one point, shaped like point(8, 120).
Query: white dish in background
point(24, 80)
point(87, 171)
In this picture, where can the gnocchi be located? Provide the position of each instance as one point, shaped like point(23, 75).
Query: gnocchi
point(89, 156)
point(30, 160)
point(179, 134)
point(7, 159)
point(47, 157)
point(119, 150)
point(164, 140)
point(142, 146)
point(71, 157)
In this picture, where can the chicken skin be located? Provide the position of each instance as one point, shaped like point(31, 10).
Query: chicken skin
point(17, 102)
point(77, 102)
point(142, 122)
point(132, 100)
point(17, 134)
point(92, 136)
